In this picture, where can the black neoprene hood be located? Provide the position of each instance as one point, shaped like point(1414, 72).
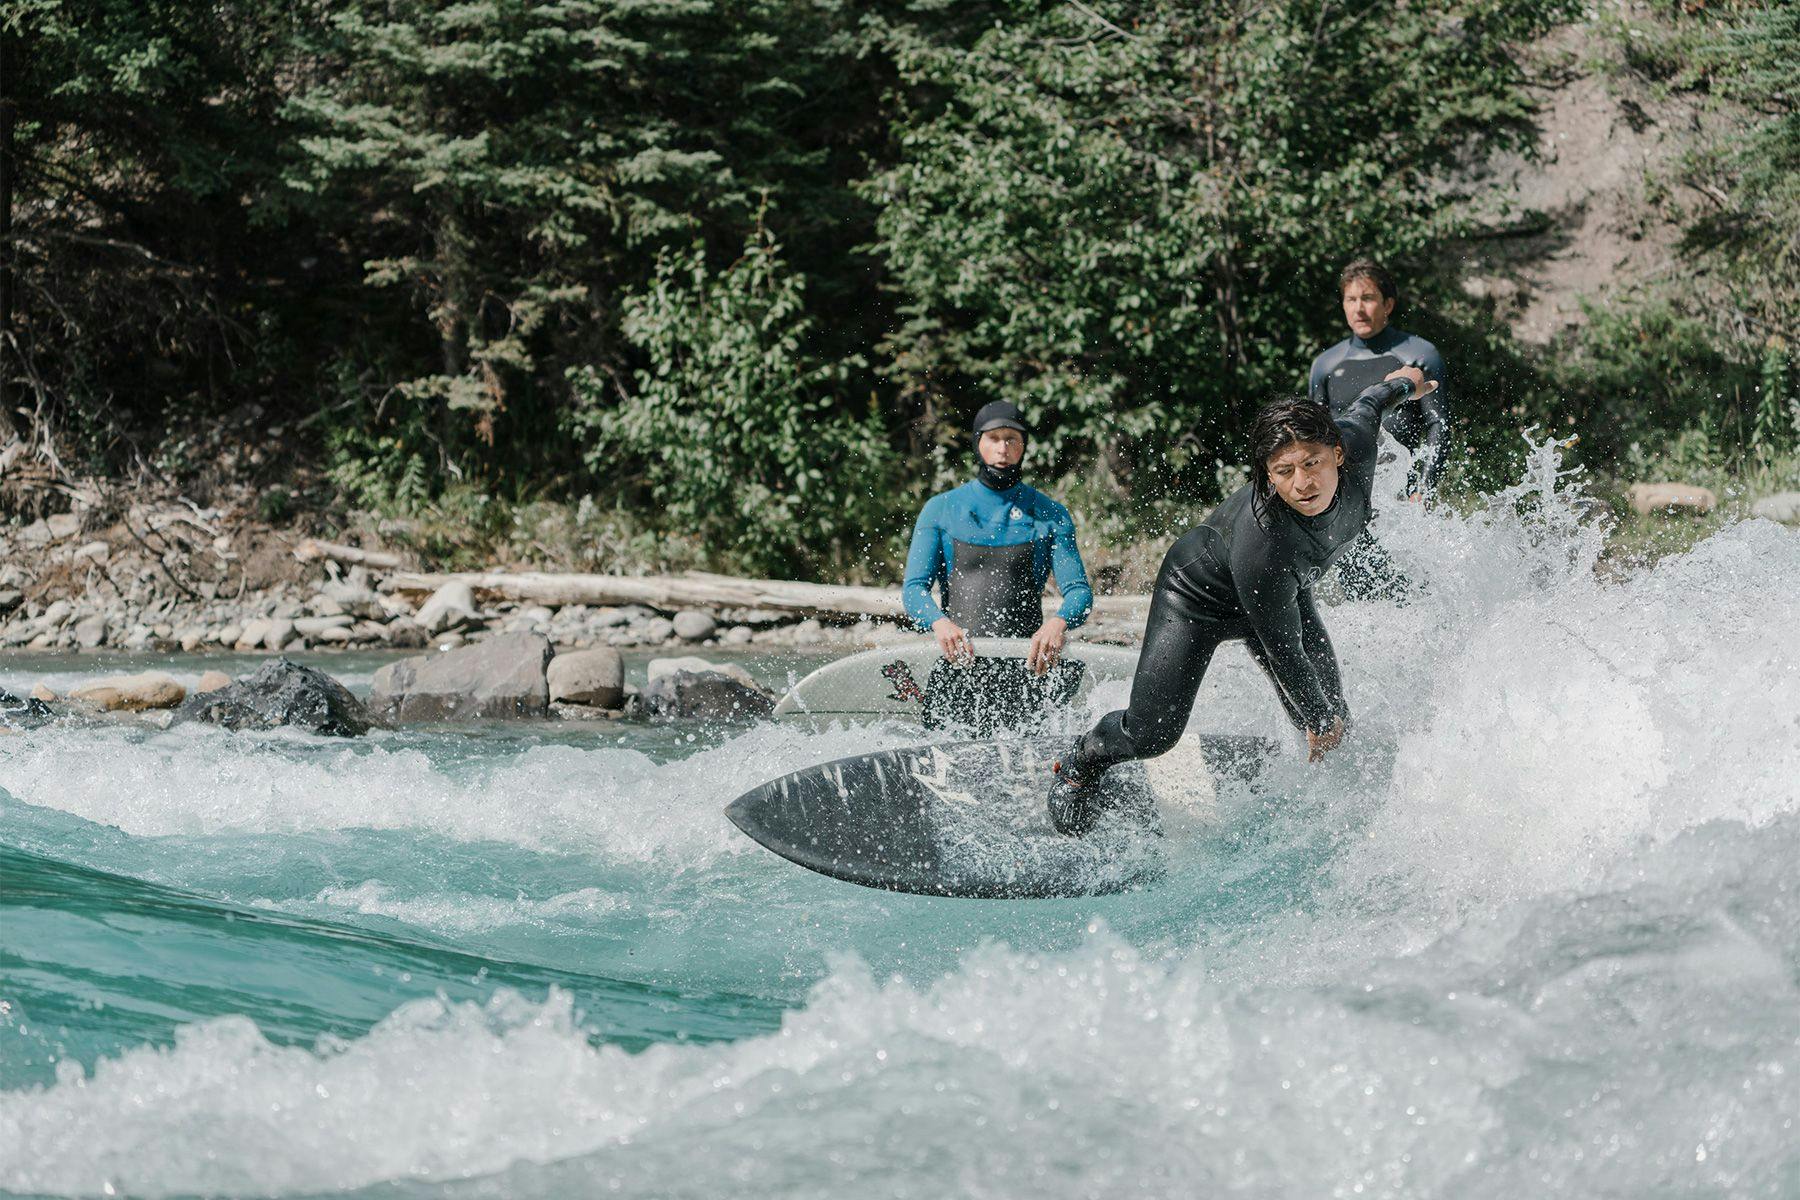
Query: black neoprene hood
point(999, 414)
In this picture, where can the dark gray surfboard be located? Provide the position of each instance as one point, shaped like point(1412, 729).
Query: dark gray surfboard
point(968, 819)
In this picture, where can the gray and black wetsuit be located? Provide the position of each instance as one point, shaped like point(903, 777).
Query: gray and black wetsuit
point(1247, 573)
point(1419, 423)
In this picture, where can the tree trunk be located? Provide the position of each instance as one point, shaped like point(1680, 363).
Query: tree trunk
point(8, 426)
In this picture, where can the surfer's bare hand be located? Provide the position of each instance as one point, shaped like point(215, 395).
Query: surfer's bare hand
point(953, 640)
point(1317, 744)
point(1046, 645)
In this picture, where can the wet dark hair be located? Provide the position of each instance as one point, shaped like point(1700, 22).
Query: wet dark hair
point(1368, 268)
point(1279, 424)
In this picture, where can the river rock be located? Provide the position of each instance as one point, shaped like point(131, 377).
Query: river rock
point(56, 614)
point(282, 692)
point(659, 629)
point(1782, 506)
point(63, 525)
point(251, 636)
point(449, 606)
point(10, 598)
point(610, 618)
point(312, 627)
point(333, 635)
point(504, 676)
point(595, 678)
point(1648, 498)
point(279, 633)
point(700, 666)
point(404, 633)
point(349, 597)
point(22, 713)
point(808, 632)
point(98, 551)
point(738, 635)
point(691, 626)
point(703, 696)
point(211, 681)
point(132, 693)
point(90, 632)
point(42, 693)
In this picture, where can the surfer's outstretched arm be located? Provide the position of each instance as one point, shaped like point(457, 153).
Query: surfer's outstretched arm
point(1316, 643)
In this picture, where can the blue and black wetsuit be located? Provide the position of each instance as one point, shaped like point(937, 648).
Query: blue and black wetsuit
point(991, 551)
point(1246, 573)
point(1341, 373)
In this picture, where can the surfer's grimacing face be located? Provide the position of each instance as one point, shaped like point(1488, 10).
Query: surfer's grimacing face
point(1002, 447)
point(1305, 475)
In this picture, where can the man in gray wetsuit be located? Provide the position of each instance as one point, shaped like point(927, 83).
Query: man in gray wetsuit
point(1246, 573)
point(1374, 350)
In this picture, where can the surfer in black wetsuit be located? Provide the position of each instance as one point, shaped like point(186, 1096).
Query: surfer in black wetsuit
point(1370, 354)
point(1246, 573)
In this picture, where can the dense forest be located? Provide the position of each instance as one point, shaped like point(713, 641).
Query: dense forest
point(724, 279)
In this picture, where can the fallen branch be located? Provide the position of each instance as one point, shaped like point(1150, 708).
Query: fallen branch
point(311, 549)
point(672, 593)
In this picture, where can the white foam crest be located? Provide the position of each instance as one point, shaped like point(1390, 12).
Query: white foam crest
point(613, 801)
point(1546, 721)
point(1085, 1073)
point(460, 913)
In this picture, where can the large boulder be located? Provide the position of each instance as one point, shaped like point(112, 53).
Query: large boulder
point(593, 677)
point(282, 692)
point(693, 662)
point(132, 693)
point(450, 606)
point(1782, 506)
point(503, 676)
point(1648, 498)
point(692, 626)
point(703, 696)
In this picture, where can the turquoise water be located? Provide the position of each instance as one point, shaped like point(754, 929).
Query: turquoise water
point(1536, 933)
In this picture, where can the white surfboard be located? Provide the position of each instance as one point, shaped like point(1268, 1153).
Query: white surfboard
point(890, 681)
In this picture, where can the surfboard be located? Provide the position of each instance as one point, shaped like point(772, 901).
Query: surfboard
point(895, 681)
point(969, 819)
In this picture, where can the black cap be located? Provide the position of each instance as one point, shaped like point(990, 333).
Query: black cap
point(999, 414)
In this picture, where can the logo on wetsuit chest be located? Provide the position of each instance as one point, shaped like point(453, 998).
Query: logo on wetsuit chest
point(1016, 514)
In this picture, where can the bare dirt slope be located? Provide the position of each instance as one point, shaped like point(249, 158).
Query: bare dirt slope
point(1589, 217)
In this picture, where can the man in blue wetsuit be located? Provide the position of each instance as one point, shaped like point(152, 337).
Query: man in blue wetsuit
point(1373, 351)
point(990, 544)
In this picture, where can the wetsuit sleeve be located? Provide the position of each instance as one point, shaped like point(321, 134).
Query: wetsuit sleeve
point(925, 566)
point(1071, 576)
point(1361, 422)
point(1270, 597)
point(1436, 410)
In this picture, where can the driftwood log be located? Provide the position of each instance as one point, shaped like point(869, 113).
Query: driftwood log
point(696, 589)
point(311, 549)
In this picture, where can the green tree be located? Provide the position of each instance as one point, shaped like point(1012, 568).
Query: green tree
point(150, 248)
point(1127, 217)
point(738, 433)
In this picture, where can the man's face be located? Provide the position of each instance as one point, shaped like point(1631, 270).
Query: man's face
point(1366, 310)
point(1002, 447)
point(1305, 474)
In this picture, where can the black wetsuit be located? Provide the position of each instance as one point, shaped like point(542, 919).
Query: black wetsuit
point(1247, 573)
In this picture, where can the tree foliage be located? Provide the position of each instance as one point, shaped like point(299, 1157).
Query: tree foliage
point(1128, 217)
